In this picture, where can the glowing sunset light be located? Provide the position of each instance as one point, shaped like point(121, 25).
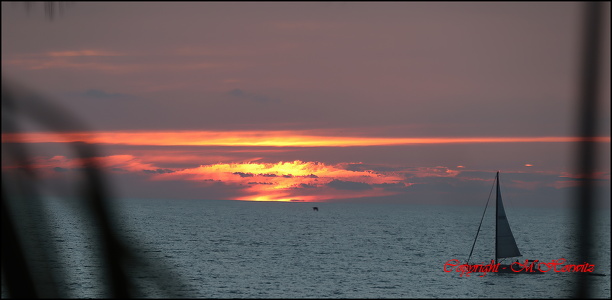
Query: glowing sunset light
point(264, 138)
point(291, 181)
point(281, 174)
point(251, 181)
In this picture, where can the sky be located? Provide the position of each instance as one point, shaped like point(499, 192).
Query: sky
point(394, 102)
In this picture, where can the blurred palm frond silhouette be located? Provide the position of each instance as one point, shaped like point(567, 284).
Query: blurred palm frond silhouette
point(26, 246)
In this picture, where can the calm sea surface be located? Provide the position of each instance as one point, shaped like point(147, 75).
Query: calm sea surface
point(235, 249)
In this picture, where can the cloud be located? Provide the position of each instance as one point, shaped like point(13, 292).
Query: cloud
point(242, 174)
point(307, 186)
point(60, 169)
point(89, 52)
point(397, 186)
point(113, 163)
point(286, 181)
point(159, 171)
point(93, 93)
point(236, 93)
point(349, 185)
point(103, 61)
point(316, 181)
point(268, 175)
point(372, 167)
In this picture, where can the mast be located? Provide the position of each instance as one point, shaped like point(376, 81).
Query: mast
point(505, 244)
point(480, 225)
point(496, 212)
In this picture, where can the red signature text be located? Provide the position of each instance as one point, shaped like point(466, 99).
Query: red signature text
point(465, 269)
point(556, 265)
point(528, 266)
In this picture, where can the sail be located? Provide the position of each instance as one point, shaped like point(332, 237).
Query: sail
point(505, 245)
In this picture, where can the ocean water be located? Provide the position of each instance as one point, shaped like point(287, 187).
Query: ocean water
point(237, 249)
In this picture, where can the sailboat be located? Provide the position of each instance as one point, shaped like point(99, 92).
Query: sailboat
point(505, 244)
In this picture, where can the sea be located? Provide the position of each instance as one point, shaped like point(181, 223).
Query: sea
point(241, 249)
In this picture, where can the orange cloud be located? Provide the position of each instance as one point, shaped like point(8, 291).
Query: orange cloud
point(281, 181)
point(263, 138)
point(291, 181)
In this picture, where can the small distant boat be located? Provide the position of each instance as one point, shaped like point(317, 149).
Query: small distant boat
point(315, 208)
point(505, 244)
